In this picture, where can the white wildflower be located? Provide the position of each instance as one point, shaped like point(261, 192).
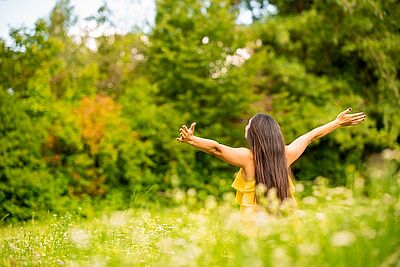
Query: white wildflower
point(343, 238)
point(118, 219)
point(309, 248)
point(310, 200)
point(80, 237)
point(369, 233)
point(299, 187)
point(210, 203)
point(280, 257)
point(320, 216)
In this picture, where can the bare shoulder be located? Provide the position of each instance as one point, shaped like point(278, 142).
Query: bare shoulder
point(235, 156)
point(247, 154)
point(287, 150)
point(289, 155)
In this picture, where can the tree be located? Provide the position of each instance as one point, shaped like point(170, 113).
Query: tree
point(327, 58)
point(191, 59)
point(61, 19)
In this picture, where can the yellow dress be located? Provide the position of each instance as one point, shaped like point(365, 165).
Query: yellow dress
point(246, 196)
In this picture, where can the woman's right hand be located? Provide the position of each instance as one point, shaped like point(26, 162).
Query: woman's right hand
point(186, 135)
point(345, 119)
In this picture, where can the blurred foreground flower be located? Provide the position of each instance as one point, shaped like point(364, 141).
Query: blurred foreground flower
point(79, 237)
point(343, 238)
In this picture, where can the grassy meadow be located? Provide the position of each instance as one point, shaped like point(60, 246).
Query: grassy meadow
point(332, 226)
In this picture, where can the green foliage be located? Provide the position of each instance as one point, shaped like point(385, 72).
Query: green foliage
point(290, 7)
point(61, 19)
point(323, 60)
point(25, 183)
point(188, 59)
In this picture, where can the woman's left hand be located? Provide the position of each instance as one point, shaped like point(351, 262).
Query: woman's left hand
point(345, 119)
point(186, 135)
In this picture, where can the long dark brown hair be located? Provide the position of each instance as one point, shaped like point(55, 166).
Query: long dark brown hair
point(268, 146)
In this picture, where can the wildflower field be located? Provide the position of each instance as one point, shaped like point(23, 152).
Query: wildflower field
point(333, 226)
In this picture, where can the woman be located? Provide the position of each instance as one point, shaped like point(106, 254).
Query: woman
point(267, 162)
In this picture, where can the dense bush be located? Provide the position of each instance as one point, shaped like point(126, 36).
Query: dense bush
point(25, 183)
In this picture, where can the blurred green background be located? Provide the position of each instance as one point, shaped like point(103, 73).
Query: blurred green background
point(89, 127)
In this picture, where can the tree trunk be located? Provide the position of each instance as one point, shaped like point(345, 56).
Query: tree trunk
point(299, 6)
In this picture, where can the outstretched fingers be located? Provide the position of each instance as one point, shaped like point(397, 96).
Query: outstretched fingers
point(186, 133)
point(356, 114)
point(345, 112)
point(358, 120)
point(192, 127)
point(362, 116)
point(186, 129)
point(183, 133)
point(181, 137)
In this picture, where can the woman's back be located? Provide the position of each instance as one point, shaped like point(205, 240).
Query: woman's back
point(246, 194)
point(248, 169)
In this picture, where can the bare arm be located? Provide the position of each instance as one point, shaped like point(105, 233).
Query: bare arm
point(297, 147)
point(234, 156)
point(206, 145)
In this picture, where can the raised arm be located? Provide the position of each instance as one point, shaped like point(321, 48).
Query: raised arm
point(297, 147)
point(235, 156)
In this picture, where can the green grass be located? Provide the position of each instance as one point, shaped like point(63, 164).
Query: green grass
point(333, 227)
